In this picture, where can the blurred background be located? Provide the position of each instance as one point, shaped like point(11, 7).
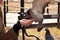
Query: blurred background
point(12, 18)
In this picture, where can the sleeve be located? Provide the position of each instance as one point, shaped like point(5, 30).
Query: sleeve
point(17, 27)
point(10, 35)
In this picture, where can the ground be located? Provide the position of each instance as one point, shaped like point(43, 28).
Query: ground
point(55, 32)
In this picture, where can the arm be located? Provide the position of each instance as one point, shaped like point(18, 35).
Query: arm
point(23, 22)
point(13, 33)
point(10, 35)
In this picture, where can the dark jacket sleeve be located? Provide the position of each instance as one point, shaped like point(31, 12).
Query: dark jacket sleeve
point(17, 27)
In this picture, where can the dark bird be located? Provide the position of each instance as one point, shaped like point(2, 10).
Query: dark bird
point(48, 36)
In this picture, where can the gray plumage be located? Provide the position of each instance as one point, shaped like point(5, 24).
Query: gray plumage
point(37, 10)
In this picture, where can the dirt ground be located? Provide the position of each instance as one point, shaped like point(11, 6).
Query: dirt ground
point(54, 32)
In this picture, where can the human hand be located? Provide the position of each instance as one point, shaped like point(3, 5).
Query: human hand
point(25, 22)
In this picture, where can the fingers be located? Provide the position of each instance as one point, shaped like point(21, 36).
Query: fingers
point(25, 22)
